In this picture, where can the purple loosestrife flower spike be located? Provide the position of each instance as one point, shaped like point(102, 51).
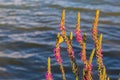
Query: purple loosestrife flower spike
point(78, 31)
point(69, 46)
point(57, 49)
point(57, 54)
point(62, 23)
point(98, 47)
point(87, 71)
point(80, 39)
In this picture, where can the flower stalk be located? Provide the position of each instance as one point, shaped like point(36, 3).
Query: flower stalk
point(69, 46)
point(49, 74)
point(98, 47)
point(87, 70)
point(57, 54)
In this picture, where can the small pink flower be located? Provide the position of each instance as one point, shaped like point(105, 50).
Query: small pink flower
point(90, 68)
point(78, 35)
point(73, 53)
point(101, 52)
point(48, 76)
point(62, 27)
point(57, 55)
point(94, 31)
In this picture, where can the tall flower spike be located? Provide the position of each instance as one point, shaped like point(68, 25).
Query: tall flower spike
point(78, 31)
point(49, 74)
point(69, 46)
point(96, 23)
point(62, 23)
point(96, 40)
point(81, 40)
point(57, 48)
point(98, 47)
point(57, 54)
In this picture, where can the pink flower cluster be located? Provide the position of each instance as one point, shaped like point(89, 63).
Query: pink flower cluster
point(100, 55)
point(48, 76)
point(62, 27)
point(57, 55)
point(78, 35)
point(87, 74)
point(94, 31)
point(90, 68)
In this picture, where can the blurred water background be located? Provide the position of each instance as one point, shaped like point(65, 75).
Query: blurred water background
point(28, 30)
